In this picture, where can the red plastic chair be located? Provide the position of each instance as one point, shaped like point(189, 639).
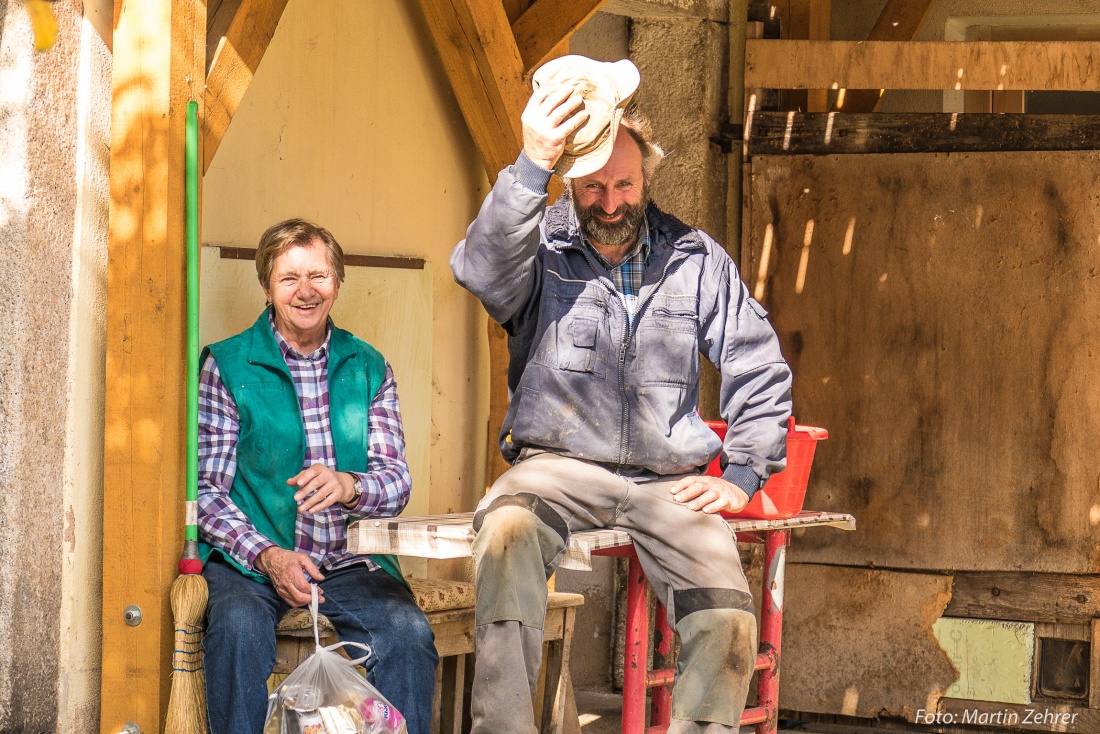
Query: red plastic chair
point(782, 499)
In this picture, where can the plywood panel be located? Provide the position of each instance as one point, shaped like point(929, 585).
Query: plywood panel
point(389, 308)
point(941, 314)
point(859, 642)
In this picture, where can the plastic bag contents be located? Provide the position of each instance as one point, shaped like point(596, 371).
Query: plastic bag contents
point(327, 695)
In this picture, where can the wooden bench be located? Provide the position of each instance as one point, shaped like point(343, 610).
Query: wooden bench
point(450, 609)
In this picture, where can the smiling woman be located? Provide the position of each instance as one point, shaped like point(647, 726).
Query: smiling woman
point(300, 267)
point(299, 433)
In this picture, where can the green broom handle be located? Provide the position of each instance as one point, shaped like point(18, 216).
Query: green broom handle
point(192, 181)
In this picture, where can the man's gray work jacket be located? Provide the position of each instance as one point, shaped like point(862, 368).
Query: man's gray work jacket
point(585, 382)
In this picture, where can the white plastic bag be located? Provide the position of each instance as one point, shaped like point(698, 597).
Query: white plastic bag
point(327, 695)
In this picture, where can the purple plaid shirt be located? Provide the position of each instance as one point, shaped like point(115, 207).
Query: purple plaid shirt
point(321, 535)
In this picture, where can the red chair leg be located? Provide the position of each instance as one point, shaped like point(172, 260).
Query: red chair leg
point(662, 694)
point(771, 627)
point(637, 650)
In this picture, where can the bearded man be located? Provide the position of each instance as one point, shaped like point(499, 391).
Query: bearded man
point(608, 302)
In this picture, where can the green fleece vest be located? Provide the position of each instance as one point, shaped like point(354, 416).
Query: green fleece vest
point(271, 445)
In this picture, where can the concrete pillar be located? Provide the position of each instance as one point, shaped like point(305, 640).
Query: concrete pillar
point(54, 132)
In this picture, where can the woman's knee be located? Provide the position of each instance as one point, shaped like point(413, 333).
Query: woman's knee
point(238, 617)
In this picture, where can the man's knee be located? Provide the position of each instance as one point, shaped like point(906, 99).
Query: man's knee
point(715, 665)
point(519, 526)
point(515, 551)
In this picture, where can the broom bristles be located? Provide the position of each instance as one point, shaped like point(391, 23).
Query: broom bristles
point(187, 703)
point(189, 597)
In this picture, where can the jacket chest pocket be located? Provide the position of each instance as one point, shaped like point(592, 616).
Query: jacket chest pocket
point(668, 346)
point(576, 341)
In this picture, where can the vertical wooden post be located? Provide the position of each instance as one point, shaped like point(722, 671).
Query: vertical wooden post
point(1094, 664)
point(159, 54)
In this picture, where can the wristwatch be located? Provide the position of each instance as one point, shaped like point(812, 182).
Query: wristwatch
point(358, 490)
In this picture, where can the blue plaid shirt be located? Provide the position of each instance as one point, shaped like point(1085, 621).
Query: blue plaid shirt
point(627, 275)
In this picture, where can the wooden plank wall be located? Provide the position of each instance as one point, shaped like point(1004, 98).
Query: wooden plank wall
point(941, 314)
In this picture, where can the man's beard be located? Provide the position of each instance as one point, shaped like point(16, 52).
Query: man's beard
point(614, 234)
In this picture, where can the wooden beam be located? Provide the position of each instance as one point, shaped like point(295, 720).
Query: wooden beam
point(235, 63)
point(159, 53)
point(899, 21)
point(515, 8)
point(219, 15)
point(1025, 597)
point(789, 133)
point(1094, 665)
point(811, 20)
point(1030, 65)
point(546, 24)
point(355, 261)
point(479, 53)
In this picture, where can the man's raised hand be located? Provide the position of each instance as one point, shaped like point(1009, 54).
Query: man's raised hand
point(552, 114)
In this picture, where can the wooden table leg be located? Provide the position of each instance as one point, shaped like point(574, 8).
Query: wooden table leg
point(558, 686)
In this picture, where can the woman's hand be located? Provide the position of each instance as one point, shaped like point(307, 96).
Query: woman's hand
point(320, 487)
point(288, 573)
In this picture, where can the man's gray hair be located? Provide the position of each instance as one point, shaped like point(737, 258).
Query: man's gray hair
point(639, 128)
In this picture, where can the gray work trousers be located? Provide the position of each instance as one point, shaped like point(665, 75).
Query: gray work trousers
point(690, 558)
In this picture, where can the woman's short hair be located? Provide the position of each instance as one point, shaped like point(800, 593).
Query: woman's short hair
point(295, 233)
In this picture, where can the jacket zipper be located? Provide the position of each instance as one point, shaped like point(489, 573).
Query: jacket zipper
point(628, 333)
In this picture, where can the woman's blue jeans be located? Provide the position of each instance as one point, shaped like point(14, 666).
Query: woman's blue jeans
point(364, 606)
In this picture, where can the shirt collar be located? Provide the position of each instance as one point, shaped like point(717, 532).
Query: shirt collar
point(289, 351)
point(642, 245)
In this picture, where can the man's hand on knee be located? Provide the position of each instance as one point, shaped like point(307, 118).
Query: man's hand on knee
point(288, 573)
point(709, 494)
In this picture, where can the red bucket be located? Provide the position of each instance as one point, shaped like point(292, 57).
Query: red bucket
point(783, 494)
